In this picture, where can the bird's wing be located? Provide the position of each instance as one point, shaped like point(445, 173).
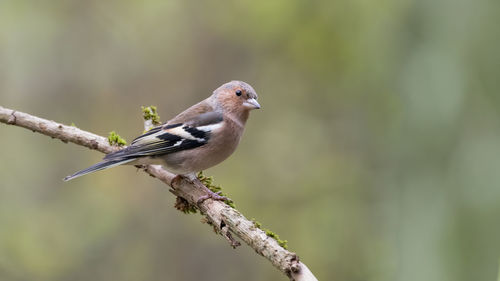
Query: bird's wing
point(193, 113)
point(171, 138)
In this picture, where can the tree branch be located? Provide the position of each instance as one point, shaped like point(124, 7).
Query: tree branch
point(222, 217)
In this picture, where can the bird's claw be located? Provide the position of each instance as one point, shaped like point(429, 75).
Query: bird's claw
point(210, 194)
point(214, 196)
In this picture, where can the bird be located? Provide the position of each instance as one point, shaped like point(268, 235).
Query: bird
point(198, 138)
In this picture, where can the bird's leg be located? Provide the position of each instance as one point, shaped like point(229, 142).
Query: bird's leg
point(194, 180)
point(212, 195)
point(191, 177)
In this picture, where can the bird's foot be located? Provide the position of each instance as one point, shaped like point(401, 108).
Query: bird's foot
point(193, 179)
point(212, 195)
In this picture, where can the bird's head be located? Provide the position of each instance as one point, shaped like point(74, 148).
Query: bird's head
point(236, 97)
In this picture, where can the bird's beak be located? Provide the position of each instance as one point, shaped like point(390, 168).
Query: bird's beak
point(251, 104)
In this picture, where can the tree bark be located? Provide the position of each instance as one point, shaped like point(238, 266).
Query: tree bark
point(225, 219)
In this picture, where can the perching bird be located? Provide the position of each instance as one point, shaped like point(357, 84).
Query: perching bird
point(200, 137)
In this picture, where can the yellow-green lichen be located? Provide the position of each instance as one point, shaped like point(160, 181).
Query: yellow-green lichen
point(73, 124)
point(150, 113)
point(115, 139)
point(282, 243)
point(183, 205)
point(208, 182)
point(256, 223)
point(269, 233)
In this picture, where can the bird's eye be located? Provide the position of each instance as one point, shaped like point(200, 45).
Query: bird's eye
point(238, 93)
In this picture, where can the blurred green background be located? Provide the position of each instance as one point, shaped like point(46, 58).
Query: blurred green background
point(376, 153)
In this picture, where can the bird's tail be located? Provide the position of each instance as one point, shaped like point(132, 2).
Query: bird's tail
point(99, 166)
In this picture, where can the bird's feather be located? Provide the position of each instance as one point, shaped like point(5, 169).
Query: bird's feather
point(194, 113)
point(170, 138)
point(212, 126)
point(97, 167)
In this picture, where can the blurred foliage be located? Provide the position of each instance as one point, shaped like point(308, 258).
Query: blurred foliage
point(376, 153)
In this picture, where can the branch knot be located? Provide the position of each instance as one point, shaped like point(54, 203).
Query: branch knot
point(12, 118)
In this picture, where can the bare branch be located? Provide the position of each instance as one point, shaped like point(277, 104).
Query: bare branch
point(222, 217)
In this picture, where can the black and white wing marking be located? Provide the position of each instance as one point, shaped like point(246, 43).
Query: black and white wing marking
point(171, 138)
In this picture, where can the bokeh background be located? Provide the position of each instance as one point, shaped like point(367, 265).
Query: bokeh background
point(376, 153)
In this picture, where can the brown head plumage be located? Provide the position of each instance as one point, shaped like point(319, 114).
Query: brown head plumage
point(236, 97)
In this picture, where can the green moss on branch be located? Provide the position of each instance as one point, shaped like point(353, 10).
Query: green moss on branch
point(183, 205)
point(150, 113)
point(269, 233)
point(115, 139)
